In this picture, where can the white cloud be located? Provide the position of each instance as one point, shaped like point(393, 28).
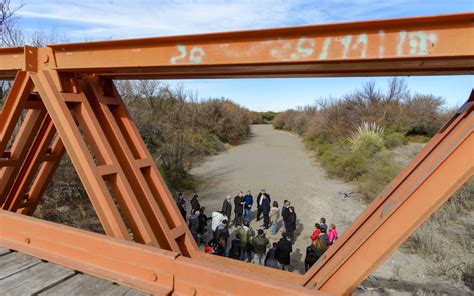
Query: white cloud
point(125, 19)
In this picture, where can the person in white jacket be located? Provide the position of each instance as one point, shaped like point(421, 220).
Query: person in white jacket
point(217, 218)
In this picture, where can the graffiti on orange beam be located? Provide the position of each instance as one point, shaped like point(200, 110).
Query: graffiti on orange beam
point(416, 43)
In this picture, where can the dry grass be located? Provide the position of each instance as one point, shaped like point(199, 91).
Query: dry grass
point(446, 239)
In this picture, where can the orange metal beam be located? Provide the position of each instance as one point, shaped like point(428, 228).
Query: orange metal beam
point(443, 166)
point(414, 46)
point(11, 61)
point(409, 46)
point(143, 267)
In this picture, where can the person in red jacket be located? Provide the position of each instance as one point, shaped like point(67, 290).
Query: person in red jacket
point(316, 232)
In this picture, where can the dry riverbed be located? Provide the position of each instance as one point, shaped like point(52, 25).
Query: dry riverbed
point(278, 162)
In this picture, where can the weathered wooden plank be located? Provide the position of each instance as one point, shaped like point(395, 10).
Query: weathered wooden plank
point(4, 251)
point(133, 292)
point(34, 279)
point(85, 285)
point(14, 262)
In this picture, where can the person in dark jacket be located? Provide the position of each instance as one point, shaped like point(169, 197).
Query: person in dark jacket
point(222, 230)
point(248, 202)
point(290, 224)
point(202, 222)
point(266, 211)
point(260, 243)
point(259, 202)
point(235, 248)
point(195, 206)
point(270, 260)
point(310, 258)
point(227, 207)
point(324, 236)
point(322, 223)
point(283, 250)
point(217, 245)
point(285, 212)
point(238, 208)
point(181, 203)
point(194, 225)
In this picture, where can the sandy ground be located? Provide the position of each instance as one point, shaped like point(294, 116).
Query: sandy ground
point(278, 162)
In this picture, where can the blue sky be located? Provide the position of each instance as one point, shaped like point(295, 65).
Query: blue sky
point(84, 20)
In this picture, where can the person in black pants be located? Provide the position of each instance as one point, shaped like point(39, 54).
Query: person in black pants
point(259, 202)
point(238, 208)
point(266, 211)
point(290, 224)
point(181, 203)
point(283, 250)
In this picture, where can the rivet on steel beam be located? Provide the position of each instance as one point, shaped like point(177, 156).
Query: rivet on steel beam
point(46, 59)
point(27, 240)
point(154, 277)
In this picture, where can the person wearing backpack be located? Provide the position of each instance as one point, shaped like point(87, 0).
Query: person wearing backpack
point(324, 236)
point(332, 236)
point(321, 244)
point(260, 243)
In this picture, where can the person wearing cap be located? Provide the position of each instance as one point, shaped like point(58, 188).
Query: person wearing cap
point(260, 243)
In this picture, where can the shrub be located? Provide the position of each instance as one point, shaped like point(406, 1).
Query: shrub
point(367, 139)
point(392, 140)
point(380, 171)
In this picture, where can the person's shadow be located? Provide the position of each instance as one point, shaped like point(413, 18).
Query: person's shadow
point(296, 262)
point(299, 229)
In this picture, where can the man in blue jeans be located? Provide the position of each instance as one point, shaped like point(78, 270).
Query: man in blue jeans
point(248, 200)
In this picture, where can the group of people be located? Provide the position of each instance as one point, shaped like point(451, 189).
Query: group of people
point(321, 239)
point(247, 244)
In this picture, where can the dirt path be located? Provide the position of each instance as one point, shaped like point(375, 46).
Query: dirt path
point(277, 161)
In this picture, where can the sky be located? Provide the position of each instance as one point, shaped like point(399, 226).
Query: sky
point(85, 20)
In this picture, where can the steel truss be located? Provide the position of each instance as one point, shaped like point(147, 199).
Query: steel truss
point(63, 100)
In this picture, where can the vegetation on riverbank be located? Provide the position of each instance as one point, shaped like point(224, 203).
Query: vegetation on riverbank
point(179, 131)
point(353, 137)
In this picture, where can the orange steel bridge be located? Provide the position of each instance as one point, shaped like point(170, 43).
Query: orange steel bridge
point(70, 105)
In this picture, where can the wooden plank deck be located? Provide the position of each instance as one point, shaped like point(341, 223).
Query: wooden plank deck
point(21, 274)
